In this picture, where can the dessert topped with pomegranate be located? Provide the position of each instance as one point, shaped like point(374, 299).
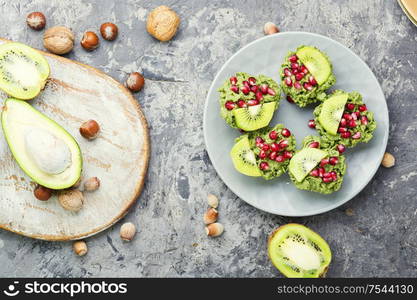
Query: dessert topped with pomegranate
point(306, 74)
point(249, 102)
point(265, 152)
point(344, 119)
point(316, 168)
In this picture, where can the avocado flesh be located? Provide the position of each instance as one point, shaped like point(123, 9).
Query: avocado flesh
point(44, 150)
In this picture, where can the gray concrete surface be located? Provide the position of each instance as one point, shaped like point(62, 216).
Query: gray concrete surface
point(375, 234)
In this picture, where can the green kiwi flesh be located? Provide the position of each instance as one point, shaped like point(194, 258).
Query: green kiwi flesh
point(332, 111)
point(244, 158)
point(23, 71)
point(254, 117)
point(304, 161)
point(316, 62)
point(298, 252)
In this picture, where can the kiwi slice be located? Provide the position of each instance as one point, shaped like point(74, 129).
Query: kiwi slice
point(332, 111)
point(298, 252)
point(316, 62)
point(254, 117)
point(244, 158)
point(304, 161)
point(23, 71)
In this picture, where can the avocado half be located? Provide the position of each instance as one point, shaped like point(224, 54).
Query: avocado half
point(44, 150)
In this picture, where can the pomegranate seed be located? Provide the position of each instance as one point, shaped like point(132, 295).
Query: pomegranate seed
point(241, 103)
point(343, 122)
point(347, 117)
point(264, 166)
point(273, 155)
point(297, 85)
point(287, 72)
point(288, 81)
point(304, 70)
point(283, 144)
point(273, 135)
point(327, 175)
point(345, 135)
point(289, 99)
point(321, 171)
point(271, 92)
point(259, 145)
point(362, 108)
point(364, 120)
point(299, 76)
point(233, 80)
point(324, 162)
point(259, 96)
point(280, 158)
point(285, 132)
point(252, 81)
point(294, 66)
point(327, 179)
point(354, 116)
point(254, 88)
point(315, 173)
point(246, 83)
point(342, 129)
point(253, 102)
point(264, 88)
point(293, 58)
point(307, 86)
point(294, 72)
point(341, 148)
point(312, 80)
point(334, 175)
point(234, 89)
point(262, 154)
point(245, 90)
point(333, 160)
point(258, 139)
point(314, 145)
point(352, 124)
point(358, 114)
point(350, 106)
point(312, 124)
point(229, 105)
point(275, 147)
point(356, 136)
point(287, 154)
point(265, 147)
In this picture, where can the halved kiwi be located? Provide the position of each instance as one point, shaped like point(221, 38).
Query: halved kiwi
point(244, 158)
point(298, 252)
point(332, 111)
point(23, 71)
point(316, 62)
point(304, 161)
point(254, 117)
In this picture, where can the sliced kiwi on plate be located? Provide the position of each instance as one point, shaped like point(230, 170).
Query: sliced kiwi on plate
point(254, 117)
point(332, 111)
point(298, 252)
point(244, 158)
point(304, 161)
point(23, 71)
point(316, 62)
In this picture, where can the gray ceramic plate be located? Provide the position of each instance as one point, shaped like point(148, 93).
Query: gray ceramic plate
point(279, 196)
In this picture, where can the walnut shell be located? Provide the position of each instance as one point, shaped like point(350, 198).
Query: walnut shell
point(71, 200)
point(162, 23)
point(58, 40)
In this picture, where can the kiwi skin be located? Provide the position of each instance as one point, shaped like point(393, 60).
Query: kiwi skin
point(282, 227)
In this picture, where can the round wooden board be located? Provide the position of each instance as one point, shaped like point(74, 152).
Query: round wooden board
point(73, 94)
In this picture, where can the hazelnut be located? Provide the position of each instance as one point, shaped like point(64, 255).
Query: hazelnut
point(214, 229)
point(162, 23)
point(89, 41)
point(210, 216)
point(36, 20)
point(388, 160)
point(89, 129)
point(270, 28)
point(71, 200)
point(42, 193)
point(135, 82)
point(91, 184)
point(212, 200)
point(109, 31)
point(58, 40)
point(127, 231)
point(80, 248)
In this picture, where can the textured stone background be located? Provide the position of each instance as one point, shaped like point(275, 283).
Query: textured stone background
point(376, 236)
